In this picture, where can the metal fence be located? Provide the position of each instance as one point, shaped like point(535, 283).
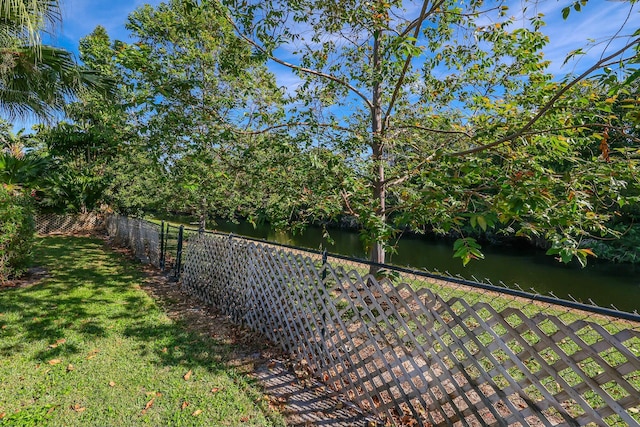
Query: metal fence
point(412, 347)
point(69, 224)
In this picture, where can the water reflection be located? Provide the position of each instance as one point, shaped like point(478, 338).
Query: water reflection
point(603, 283)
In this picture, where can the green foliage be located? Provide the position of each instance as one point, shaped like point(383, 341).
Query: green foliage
point(467, 249)
point(36, 79)
point(625, 249)
point(16, 231)
point(447, 118)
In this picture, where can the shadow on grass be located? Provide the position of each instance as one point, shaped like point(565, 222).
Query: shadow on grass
point(80, 294)
point(91, 295)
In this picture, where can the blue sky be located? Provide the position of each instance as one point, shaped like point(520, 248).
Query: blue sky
point(597, 19)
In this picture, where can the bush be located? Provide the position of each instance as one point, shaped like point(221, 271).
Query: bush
point(17, 228)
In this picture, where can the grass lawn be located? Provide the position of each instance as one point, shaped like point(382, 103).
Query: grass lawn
point(87, 346)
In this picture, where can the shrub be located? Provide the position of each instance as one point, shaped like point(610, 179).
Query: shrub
point(17, 228)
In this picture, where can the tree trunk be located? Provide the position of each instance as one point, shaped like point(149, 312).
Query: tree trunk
point(377, 253)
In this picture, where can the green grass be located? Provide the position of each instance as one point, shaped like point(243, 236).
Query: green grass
point(87, 346)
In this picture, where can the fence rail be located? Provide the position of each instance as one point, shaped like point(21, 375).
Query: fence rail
point(414, 348)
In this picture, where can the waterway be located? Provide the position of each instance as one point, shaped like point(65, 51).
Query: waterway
point(603, 283)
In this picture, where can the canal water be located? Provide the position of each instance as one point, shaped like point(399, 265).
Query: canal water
point(603, 283)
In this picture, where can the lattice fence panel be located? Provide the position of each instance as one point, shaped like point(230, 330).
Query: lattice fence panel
point(423, 356)
point(68, 224)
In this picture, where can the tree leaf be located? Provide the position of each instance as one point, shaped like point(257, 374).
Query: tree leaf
point(482, 223)
point(187, 375)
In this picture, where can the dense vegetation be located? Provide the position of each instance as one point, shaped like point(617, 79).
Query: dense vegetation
point(439, 117)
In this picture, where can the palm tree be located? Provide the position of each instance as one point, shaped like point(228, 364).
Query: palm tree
point(36, 79)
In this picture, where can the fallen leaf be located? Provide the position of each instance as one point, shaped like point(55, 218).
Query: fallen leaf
point(325, 377)
point(271, 365)
point(244, 419)
point(54, 361)
point(53, 408)
point(70, 367)
point(4, 326)
point(197, 412)
point(339, 405)
point(112, 384)
point(2, 415)
point(57, 343)
point(93, 353)
point(215, 389)
point(184, 405)
point(164, 350)
point(187, 375)
point(78, 408)
point(158, 394)
point(148, 405)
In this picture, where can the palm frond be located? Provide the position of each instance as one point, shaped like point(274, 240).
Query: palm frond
point(41, 83)
point(27, 19)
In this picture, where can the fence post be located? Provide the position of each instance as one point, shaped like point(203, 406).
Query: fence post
point(179, 253)
point(324, 291)
point(162, 244)
point(324, 264)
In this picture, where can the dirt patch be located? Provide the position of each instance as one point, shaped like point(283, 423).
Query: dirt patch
point(31, 277)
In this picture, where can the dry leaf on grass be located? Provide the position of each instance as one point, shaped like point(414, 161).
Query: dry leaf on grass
point(244, 419)
point(54, 361)
point(78, 408)
point(215, 389)
point(148, 405)
point(187, 375)
point(184, 405)
point(70, 367)
point(2, 415)
point(112, 384)
point(197, 412)
point(93, 353)
point(57, 343)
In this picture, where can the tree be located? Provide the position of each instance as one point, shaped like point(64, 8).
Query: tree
point(195, 87)
point(446, 114)
point(34, 78)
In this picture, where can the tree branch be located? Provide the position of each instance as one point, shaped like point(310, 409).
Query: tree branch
point(426, 129)
point(409, 174)
point(345, 198)
point(290, 125)
point(546, 107)
point(407, 62)
point(298, 67)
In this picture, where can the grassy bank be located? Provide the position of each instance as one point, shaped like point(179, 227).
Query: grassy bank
point(87, 346)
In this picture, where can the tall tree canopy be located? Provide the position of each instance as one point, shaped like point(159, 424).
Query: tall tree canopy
point(449, 118)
